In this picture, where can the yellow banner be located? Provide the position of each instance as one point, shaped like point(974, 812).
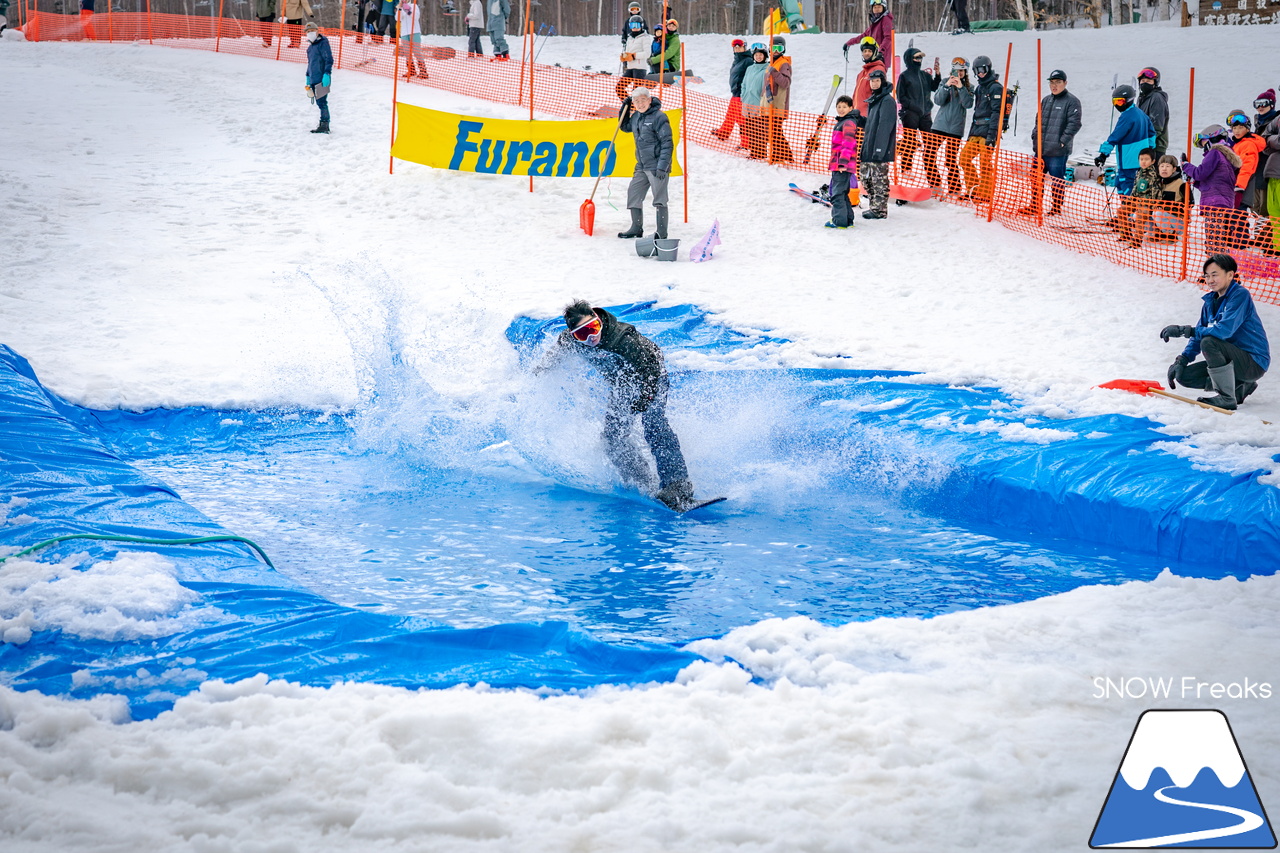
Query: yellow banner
point(547, 149)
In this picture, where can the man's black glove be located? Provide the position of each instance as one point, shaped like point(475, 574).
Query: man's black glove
point(1184, 157)
point(846, 53)
point(1176, 332)
point(1100, 160)
point(662, 174)
point(1175, 370)
point(640, 404)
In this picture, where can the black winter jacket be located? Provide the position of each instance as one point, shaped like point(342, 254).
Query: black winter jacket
point(652, 130)
point(741, 61)
point(916, 87)
point(1156, 105)
point(1060, 119)
point(631, 363)
point(879, 127)
point(987, 120)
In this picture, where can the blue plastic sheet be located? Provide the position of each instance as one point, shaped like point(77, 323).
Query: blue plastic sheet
point(1100, 488)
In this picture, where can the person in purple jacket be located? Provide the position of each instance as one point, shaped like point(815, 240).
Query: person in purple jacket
point(879, 27)
point(844, 162)
point(1229, 334)
point(1215, 177)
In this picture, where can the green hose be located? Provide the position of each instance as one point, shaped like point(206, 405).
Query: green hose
point(141, 540)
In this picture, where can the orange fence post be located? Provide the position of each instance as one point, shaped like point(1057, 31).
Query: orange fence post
point(395, 90)
point(1038, 204)
point(684, 134)
point(149, 40)
point(280, 37)
point(217, 43)
point(995, 157)
point(1186, 207)
point(531, 43)
point(341, 32)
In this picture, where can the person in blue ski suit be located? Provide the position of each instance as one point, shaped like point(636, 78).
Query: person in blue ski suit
point(319, 69)
point(1133, 132)
point(1229, 334)
point(499, 11)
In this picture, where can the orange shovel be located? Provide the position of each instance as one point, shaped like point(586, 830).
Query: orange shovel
point(1150, 386)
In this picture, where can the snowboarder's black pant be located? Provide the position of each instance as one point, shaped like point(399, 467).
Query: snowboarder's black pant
point(473, 42)
point(841, 209)
point(913, 125)
point(626, 454)
point(267, 21)
point(1217, 353)
point(962, 14)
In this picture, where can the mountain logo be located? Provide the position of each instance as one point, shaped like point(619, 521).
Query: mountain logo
point(1183, 783)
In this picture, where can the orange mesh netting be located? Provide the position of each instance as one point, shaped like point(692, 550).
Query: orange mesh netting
point(1003, 186)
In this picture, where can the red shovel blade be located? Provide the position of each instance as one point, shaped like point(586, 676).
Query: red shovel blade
point(897, 191)
point(587, 216)
point(1133, 386)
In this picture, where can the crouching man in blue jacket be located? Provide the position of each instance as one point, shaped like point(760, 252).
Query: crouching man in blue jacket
point(1229, 334)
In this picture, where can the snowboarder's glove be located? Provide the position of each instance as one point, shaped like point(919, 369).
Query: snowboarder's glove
point(1239, 199)
point(1175, 370)
point(1100, 160)
point(662, 174)
point(1176, 332)
point(1185, 158)
point(640, 404)
point(324, 81)
point(846, 53)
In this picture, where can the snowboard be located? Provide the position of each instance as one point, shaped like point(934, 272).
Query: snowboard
point(699, 505)
point(672, 78)
point(813, 197)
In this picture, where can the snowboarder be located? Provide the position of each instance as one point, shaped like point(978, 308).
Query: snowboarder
point(319, 69)
point(642, 116)
point(844, 162)
point(1154, 101)
point(667, 56)
point(1229, 334)
point(475, 26)
point(915, 95)
point(733, 116)
point(637, 376)
point(984, 132)
point(635, 54)
point(1133, 132)
point(499, 11)
point(1059, 122)
point(879, 142)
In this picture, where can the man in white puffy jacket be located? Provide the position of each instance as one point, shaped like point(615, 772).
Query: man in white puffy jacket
point(498, 12)
point(475, 26)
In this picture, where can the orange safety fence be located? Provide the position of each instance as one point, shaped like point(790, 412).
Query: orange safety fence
point(1168, 241)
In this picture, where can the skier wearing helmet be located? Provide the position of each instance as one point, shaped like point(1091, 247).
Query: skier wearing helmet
point(777, 94)
point(635, 52)
point(753, 82)
point(872, 60)
point(879, 27)
point(669, 60)
point(984, 130)
point(1133, 132)
point(733, 116)
point(1215, 177)
point(633, 12)
point(1153, 101)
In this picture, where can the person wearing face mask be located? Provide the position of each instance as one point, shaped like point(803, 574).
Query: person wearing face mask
point(319, 69)
point(915, 98)
point(636, 374)
point(1153, 101)
point(984, 131)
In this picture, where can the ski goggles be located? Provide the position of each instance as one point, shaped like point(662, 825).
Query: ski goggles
point(587, 330)
point(1203, 141)
point(1237, 118)
point(1263, 104)
point(1148, 74)
point(1119, 102)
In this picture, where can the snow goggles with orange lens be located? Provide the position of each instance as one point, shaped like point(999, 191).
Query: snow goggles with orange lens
point(584, 332)
point(1119, 102)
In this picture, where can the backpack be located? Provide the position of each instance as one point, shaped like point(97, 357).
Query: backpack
point(1010, 96)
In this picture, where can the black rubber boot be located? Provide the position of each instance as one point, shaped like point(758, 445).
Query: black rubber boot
point(1223, 380)
point(661, 233)
point(322, 128)
point(1244, 389)
point(637, 224)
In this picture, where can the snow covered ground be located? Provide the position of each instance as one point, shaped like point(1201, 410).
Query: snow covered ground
point(174, 237)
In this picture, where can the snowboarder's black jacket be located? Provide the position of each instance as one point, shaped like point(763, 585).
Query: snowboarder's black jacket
point(916, 87)
point(879, 127)
point(741, 61)
point(630, 362)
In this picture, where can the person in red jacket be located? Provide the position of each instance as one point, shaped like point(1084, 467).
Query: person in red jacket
point(872, 60)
